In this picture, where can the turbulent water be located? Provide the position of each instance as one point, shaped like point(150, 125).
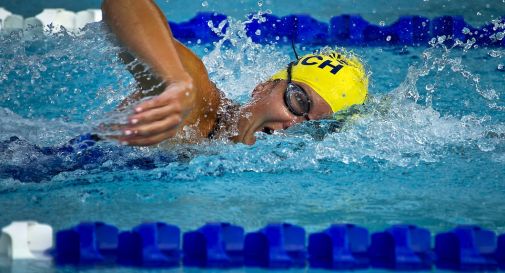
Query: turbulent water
point(430, 139)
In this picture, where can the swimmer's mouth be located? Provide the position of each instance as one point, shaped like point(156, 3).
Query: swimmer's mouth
point(268, 130)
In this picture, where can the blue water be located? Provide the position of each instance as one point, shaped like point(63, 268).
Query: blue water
point(428, 149)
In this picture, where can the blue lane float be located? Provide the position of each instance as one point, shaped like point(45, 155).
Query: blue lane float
point(219, 245)
point(339, 247)
point(467, 248)
point(87, 243)
point(281, 245)
point(500, 252)
point(347, 30)
point(150, 245)
point(276, 246)
point(402, 247)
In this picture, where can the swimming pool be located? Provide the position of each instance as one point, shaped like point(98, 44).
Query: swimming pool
point(429, 148)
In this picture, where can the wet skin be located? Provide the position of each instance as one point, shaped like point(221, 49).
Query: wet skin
point(267, 111)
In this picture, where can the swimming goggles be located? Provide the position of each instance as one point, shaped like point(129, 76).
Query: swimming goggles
point(296, 99)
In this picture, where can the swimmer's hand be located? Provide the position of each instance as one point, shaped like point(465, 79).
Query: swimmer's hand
point(159, 118)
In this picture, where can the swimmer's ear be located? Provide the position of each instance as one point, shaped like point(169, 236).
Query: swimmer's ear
point(264, 87)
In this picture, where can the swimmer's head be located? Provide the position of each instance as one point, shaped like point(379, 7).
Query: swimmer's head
point(340, 80)
point(312, 88)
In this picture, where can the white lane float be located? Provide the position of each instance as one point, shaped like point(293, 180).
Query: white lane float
point(54, 19)
point(3, 15)
point(26, 240)
point(50, 20)
point(13, 22)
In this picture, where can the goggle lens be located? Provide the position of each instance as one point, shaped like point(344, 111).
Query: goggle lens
point(297, 100)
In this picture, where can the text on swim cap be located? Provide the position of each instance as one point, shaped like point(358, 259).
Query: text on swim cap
point(322, 65)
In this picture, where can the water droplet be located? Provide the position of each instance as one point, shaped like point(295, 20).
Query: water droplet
point(382, 23)
point(500, 35)
point(277, 38)
point(260, 4)
point(205, 4)
point(199, 41)
point(501, 67)
point(430, 87)
point(423, 24)
point(258, 32)
point(465, 30)
point(494, 53)
point(388, 38)
point(478, 13)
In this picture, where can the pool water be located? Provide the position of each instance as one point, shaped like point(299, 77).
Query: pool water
point(427, 149)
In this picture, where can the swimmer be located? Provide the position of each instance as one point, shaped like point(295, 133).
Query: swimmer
point(180, 94)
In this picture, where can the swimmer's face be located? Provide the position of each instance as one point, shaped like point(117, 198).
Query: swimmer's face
point(268, 112)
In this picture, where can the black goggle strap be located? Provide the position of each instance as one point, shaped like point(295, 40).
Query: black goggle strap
point(294, 48)
point(289, 70)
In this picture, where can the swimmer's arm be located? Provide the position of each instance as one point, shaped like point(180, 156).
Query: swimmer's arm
point(143, 29)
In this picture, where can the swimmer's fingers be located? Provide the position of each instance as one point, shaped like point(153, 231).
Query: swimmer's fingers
point(156, 114)
point(153, 128)
point(175, 92)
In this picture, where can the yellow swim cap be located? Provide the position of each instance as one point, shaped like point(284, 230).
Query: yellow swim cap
point(341, 81)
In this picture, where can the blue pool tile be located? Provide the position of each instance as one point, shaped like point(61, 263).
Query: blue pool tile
point(276, 246)
point(86, 243)
point(218, 245)
point(404, 247)
point(150, 245)
point(342, 246)
point(466, 248)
